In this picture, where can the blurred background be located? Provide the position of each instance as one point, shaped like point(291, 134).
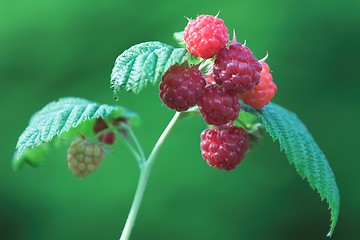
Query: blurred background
point(50, 49)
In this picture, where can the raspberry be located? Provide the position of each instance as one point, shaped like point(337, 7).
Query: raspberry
point(217, 106)
point(205, 36)
point(224, 148)
point(236, 69)
point(101, 125)
point(84, 157)
point(262, 94)
point(181, 87)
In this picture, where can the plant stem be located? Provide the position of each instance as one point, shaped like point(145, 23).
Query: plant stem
point(144, 176)
point(243, 124)
point(140, 158)
point(133, 136)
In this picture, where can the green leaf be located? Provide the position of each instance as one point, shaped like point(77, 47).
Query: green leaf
point(144, 63)
point(302, 151)
point(65, 117)
point(179, 38)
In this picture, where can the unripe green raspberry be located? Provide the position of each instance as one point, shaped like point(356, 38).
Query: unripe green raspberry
point(84, 157)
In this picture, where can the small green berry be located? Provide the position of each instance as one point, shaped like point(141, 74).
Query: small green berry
point(84, 157)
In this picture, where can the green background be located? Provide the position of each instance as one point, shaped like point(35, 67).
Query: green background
point(50, 49)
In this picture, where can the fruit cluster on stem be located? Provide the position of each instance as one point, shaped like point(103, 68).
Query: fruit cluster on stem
point(235, 74)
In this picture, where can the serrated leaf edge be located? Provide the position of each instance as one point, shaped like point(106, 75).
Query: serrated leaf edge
point(333, 206)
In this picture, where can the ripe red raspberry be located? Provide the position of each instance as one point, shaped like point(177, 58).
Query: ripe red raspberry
point(236, 69)
point(101, 125)
point(262, 94)
point(84, 157)
point(224, 148)
point(218, 107)
point(181, 87)
point(205, 36)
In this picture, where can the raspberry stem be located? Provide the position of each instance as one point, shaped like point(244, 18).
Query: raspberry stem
point(206, 66)
point(102, 132)
point(243, 124)
point(144, 176)
point(138, 156)
point(140, 151)
point(137, 143)
point(191, 112)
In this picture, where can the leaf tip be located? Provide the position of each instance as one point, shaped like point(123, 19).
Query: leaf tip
point(15, 163)
point(331, 231)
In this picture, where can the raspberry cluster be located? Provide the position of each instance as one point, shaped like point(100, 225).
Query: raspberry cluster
point(236, 75)
point(84, 157)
